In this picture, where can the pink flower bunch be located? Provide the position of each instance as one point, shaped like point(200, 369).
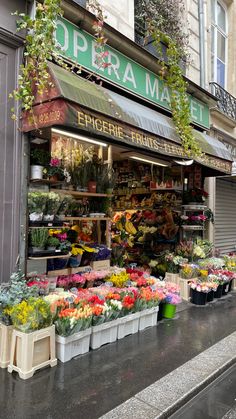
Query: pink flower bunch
point(171, 287)
point(54, 162)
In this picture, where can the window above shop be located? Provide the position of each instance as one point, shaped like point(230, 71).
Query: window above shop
point(219, 32)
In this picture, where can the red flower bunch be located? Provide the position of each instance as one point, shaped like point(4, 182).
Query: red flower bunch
point(94, 299)
point(128, 302)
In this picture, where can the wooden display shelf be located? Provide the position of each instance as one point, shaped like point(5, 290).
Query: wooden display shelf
point(48, 257)
point(193, 207)
point(166, 189)
point(46, 181)
point(47, 227)
point(87, 218)
point(192, 227)
point(78, 193)
point(132, 193)
point(68, 271)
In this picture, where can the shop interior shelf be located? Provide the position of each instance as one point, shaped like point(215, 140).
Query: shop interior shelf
point(48, 257)
point(194, 207)
point(78, 193)
point(192, 227)
point(167, 189)
point(87, 218)
point(46, 181)
point(59, 226)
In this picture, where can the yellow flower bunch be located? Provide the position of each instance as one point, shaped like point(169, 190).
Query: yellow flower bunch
point(118, 279)
point(203, 272)
point(76, 250)
point(33, 314)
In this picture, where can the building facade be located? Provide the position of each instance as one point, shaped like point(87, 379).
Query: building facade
point(212, 67)
point(11, 47)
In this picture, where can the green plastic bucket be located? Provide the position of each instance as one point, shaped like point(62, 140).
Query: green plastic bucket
point(169, 311)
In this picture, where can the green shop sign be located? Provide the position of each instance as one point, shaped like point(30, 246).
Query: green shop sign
point(79, 46)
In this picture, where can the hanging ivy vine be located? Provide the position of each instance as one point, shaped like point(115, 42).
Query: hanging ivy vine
point(40, 46)
point(163, 22)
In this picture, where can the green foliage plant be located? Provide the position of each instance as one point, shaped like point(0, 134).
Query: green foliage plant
point(53, 242)
point(39, 156)
point(39, 237)
point(40, 46)
point(37, 202)
point(15, 292)
point(164, 23)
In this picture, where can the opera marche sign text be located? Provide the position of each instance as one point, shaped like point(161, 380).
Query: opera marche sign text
point(79, 46)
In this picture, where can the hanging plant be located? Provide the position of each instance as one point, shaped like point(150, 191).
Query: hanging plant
point(99, 32)
point(40, 46)
point(163, 21)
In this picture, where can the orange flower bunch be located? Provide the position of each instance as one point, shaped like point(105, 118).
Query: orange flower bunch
point(81, 313)
point(113, 296)
point(97, 310)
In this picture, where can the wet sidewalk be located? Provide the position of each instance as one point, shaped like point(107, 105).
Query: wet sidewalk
point(93, 384)
point(217, 401)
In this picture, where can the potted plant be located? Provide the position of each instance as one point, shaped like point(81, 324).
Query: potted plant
point(65, 202)
point(52, 243)
point(55, 171)
point(52, 206)
point(36, 205)
point(39, 159)
point(38, 238)
point(110, 179)
point(195, 196)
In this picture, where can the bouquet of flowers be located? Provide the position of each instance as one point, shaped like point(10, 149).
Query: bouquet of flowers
point(30, 315)
point(188, 271)
point(73, 320)
point(173, 262)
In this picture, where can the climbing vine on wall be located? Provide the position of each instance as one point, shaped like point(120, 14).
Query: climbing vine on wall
point(164, 21)
point(40, 46)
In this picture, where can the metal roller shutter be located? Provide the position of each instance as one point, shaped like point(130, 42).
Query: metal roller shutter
point(225, 216)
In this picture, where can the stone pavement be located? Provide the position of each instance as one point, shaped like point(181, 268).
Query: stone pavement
point(94, 384)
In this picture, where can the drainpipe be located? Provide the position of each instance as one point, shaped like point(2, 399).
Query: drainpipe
point(202, 43)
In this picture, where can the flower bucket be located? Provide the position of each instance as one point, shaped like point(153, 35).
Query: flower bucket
point(48, 217)
point(36, 216)
point(92, 186)
point(225, 288)
point(5, 344)
point(210, 296)
point(75, 261)
point(148, 318)
point(218, 292)
point(199, 298)
point(230, 285)
point(160, 312)
point(104, 333)
point(169, 311)
point(74, 345)
point(57, 264)
point(128, 325)
point(36, 172)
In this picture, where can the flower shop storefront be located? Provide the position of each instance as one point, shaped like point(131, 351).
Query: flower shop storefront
point(138, 171)
point(117, 223)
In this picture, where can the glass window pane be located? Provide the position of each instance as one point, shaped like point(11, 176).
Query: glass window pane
point(220, 73)
point(220, 46)
point(213, 78)
point(221, 17)
point(213, 39)
point(213, 18)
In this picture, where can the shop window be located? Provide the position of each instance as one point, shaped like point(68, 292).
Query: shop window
point(218, 42)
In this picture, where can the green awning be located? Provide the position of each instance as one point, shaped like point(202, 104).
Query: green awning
point(114, 105)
